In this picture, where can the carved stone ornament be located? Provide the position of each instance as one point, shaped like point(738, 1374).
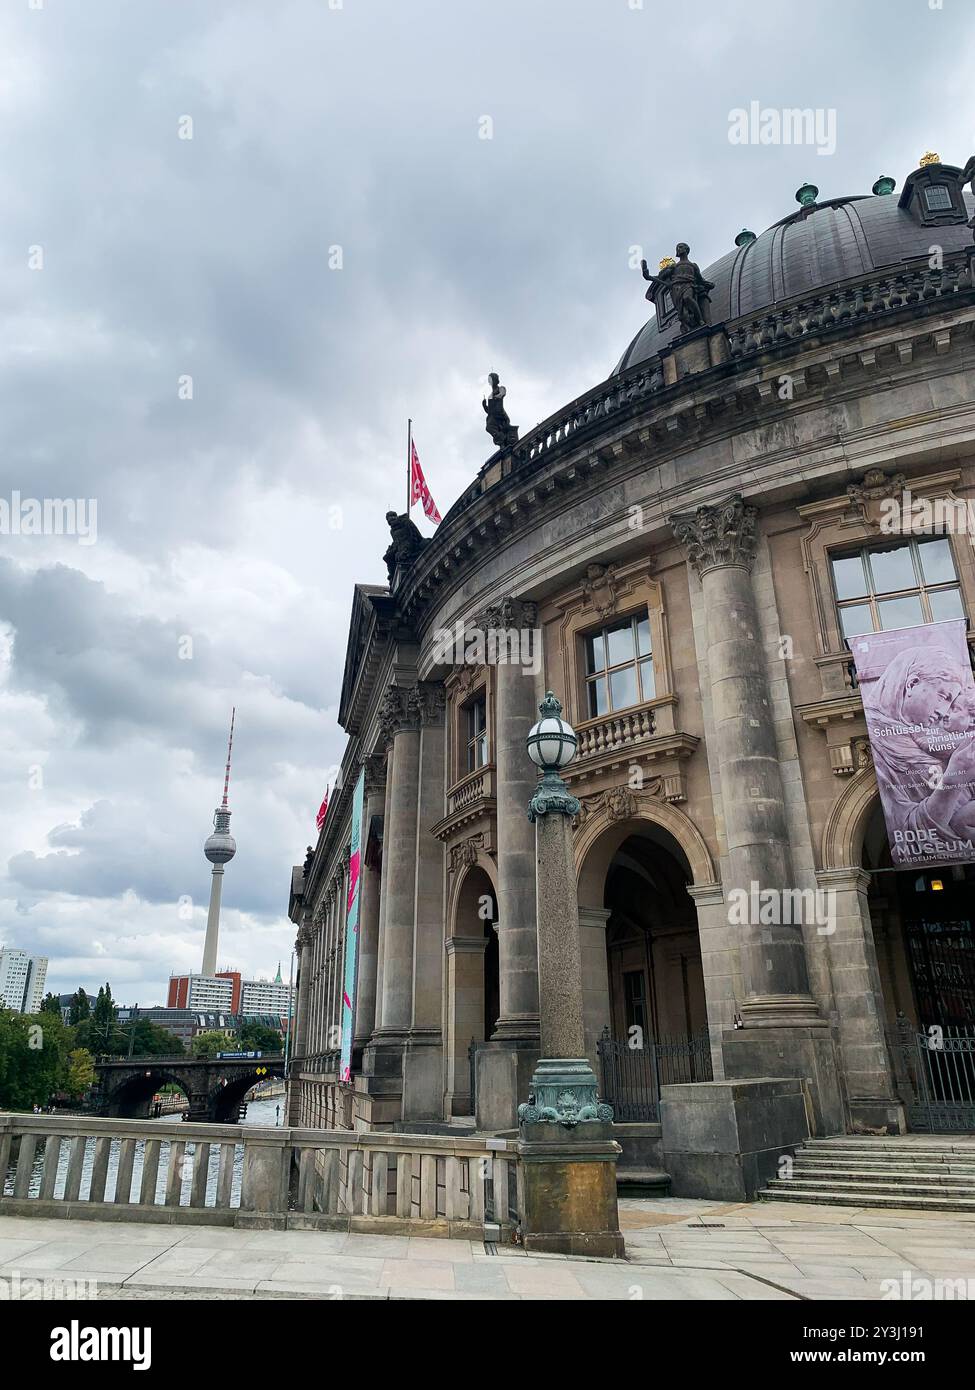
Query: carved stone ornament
point(465, 854)
point(722, 534)
point(426, 703)
point(406, 543)
point(599, 588)
point(509, 614)
point(619, 803)
point(394, 714)
point(375, 769)
point(876, 488)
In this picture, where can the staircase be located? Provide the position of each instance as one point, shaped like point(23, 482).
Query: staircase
point(922, 1172)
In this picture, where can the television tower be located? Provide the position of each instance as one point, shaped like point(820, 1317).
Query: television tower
point(219, 848)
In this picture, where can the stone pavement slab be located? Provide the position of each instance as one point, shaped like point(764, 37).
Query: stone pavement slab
point(677, 1250)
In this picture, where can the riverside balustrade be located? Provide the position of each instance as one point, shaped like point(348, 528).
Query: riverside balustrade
point(53, 1165)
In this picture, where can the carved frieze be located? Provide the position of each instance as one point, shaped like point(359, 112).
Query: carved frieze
point(623, 802)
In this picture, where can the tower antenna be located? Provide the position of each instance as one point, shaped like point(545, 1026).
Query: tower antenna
point(219, 849)
point(230, 744)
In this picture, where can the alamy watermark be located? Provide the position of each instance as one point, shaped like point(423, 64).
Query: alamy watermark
point(16, 1287)
point(756, 906)
point(493, 646)
point(49, 516)
point(787, 125)
point(927, 515)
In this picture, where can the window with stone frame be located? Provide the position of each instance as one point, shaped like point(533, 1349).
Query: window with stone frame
point(619, 665)
point(474, 716)
point(900, 585)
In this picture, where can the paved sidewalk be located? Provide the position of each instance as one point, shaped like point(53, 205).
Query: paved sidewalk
point(677, 1250)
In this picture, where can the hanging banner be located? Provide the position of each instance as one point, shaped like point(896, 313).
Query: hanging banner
point(919, 701)
point(352, 932)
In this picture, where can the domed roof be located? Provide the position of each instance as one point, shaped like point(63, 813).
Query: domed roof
point(815, 247)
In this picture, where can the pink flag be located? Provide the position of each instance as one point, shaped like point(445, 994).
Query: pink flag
point(322, 812)
point(419, 492)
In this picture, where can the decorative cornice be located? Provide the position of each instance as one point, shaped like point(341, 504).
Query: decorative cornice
point(725, 533)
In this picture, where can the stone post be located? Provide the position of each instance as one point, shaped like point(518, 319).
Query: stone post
point(565, 1132)
point(299, 1041)
point(783, 1032)
point(423, 1074)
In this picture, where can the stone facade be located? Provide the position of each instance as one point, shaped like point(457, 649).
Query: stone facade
point(685, 513)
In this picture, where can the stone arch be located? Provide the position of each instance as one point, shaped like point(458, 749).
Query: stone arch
point(847, 821)
point(594, 847)
point(455, 893)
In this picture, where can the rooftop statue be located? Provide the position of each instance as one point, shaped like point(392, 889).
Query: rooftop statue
point(406, 543)
point(688, 288)
point(497, 424)
point(968, 176)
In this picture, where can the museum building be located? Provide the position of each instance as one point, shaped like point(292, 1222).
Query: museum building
point(683, 555)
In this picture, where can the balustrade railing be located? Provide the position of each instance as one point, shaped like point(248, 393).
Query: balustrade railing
point(55, 1165)
point(612, 731)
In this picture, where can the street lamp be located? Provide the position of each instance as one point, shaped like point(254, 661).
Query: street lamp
point(565, 1136)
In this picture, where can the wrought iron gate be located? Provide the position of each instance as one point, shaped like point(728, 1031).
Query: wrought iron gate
point(935, 1072)
point(633, 1075)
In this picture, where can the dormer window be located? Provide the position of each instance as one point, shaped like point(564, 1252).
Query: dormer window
point(937, 198)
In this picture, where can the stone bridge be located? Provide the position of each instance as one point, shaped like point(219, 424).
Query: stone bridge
point(214, 1087)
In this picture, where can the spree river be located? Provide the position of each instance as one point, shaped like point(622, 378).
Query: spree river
point(259, 1112)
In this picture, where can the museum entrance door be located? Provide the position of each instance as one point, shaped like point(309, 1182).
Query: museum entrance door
point(655, 1028)
point(924, 923)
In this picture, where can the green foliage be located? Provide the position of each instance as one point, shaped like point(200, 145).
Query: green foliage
point(80, 1073)
point(33, 1058)
point(51, 1005)
point(209, 1044)
point(99, 1031)
point(80, 1007)
point(255, 1037)
point(150, 1040)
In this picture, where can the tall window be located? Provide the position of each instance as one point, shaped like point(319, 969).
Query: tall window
point(898, 585)
point(619, 666)
point(475, 715)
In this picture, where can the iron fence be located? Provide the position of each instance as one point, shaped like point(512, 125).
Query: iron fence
point(935, 1073)
point(634, 1069)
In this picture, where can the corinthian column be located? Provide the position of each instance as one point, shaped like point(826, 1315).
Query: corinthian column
point(721, 541)
point(368, 967)
point(401, 729)
point(517, 938)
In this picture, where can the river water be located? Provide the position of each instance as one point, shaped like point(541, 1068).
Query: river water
point(259, 1112)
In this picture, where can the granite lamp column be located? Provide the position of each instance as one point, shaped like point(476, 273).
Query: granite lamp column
point(565, 1138)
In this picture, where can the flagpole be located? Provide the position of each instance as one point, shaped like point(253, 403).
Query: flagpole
point(409, 463)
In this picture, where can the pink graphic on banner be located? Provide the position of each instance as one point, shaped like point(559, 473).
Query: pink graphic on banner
point(919, 701)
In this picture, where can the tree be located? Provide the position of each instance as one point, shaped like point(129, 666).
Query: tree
point(101, 1033)
point(209, 1044)
point(80, 1073)
point(257, 1037)
point(80, 1007)
point(51, 1005)
point(149, 1041)
point(33, 1057)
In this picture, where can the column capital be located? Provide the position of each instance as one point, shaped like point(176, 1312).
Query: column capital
point(374, 766)
point(305, 937)
point(509, 612)
point(394, 713)
point(426, 703)
point(719, 534)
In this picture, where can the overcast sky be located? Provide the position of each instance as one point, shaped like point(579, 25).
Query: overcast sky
point(337, 247)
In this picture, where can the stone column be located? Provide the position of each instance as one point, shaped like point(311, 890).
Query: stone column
point(465, 1016)
point(595, 977)
point(299, 1039)
point(380, 1087)
point(368, 966)
point(423, 1079)
point(721, 541)
point(871, 1092)
point(515, 713)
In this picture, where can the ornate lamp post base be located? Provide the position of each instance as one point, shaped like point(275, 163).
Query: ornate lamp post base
point(563, 1092)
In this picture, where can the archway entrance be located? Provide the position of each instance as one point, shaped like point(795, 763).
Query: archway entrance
point(473, 985)
point(646, 1011)
point(923, 921)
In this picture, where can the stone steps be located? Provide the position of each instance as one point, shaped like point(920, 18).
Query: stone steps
point(642, 1182)
point(923, 1174)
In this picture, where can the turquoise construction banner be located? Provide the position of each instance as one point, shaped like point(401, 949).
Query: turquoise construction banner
point(352, 931)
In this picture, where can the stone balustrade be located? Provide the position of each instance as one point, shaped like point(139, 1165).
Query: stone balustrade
point(610, 732)
point(70, 1166)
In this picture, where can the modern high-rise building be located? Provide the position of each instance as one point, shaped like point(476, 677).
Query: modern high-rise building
point(22, 978)
point(266, 996)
